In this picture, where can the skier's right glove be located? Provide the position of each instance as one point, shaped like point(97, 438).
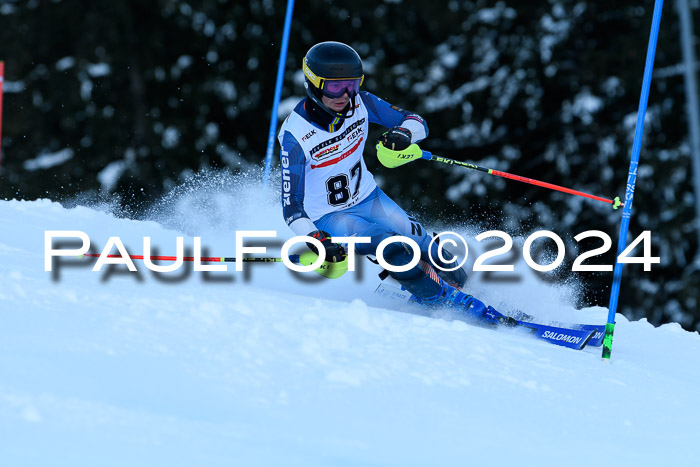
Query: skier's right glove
point(335, 253)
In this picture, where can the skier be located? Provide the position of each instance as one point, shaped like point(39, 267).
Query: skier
point(327, 190)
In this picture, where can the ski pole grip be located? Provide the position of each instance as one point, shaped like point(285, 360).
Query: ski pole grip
point(426, 155)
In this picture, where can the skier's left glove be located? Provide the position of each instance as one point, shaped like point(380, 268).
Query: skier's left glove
point(396, 139)
point(395, 149)
point(335, 253)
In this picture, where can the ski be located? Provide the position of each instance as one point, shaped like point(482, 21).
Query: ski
point(596, 339)
point(575, 336)
point(572, 338)
point(597, 329)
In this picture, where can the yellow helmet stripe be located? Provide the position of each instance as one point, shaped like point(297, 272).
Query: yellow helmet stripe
point(318, 80)
point(315, 80)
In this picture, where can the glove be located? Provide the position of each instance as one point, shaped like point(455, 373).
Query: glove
point(335, 253)
point(404, 151)
point(396, 139)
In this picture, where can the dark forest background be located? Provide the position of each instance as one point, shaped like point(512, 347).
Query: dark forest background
point(128, 98)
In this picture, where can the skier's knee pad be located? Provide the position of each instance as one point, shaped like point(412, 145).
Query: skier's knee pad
point(457, 277)
point(400, 254)
point(421, 280)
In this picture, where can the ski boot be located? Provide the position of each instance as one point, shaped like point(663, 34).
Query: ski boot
point(474, 308)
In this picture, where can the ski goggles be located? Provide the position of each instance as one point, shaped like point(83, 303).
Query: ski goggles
point(335, 88)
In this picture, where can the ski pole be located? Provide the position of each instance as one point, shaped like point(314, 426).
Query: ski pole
point(208, 259)
point(327, 269)
point(616, 203)
point(392, 159)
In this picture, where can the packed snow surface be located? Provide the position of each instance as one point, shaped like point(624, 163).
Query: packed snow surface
point(269, 367)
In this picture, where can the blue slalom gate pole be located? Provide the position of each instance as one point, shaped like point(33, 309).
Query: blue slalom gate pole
point(278, 92)
point(632, 178)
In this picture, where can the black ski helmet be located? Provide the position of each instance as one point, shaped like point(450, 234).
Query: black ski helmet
point(332, 61)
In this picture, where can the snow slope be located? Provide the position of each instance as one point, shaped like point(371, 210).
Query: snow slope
point(262, 367)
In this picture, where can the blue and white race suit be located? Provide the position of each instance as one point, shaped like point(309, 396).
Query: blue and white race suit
point(326, 184)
